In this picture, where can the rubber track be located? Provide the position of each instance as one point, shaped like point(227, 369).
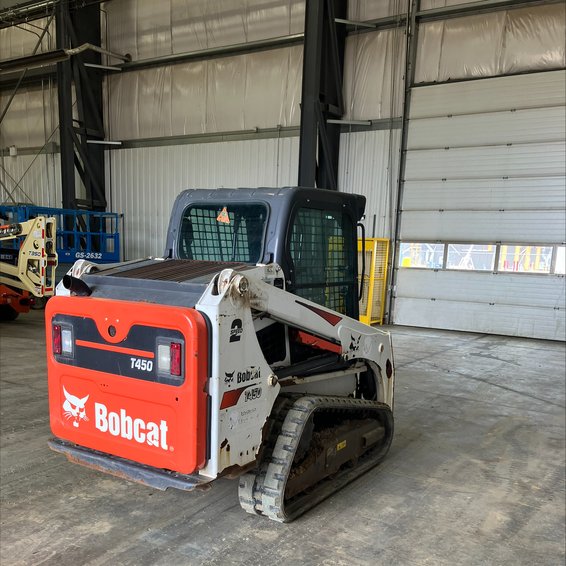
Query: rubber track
point(251, 483)
point(263, 492)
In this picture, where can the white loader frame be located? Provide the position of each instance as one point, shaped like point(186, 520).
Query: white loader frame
point(243, 386)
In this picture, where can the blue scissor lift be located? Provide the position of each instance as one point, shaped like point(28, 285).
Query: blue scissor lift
point(81, 234)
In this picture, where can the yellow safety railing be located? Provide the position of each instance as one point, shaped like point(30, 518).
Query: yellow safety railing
point(372, 304)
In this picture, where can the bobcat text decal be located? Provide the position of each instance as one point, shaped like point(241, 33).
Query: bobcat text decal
point(116, 423)
point(123, 425)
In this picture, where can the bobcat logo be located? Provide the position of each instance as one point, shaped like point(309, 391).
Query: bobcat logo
point(74, 408)
point(229, 377)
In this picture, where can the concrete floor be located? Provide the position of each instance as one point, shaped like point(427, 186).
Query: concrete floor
point(475, 475)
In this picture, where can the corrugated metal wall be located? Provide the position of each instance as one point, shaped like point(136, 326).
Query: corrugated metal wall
point(146, 28)
point(485, 158)
point(508, 304)
point(485, 168)
point(32, 179)
point(218, 95)
point(144, 182)
point(487, 45)
point(369, 165)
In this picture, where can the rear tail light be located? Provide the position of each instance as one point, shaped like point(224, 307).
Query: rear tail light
point(169, 358)
point(63, 343)
point(175, 350)
point(57, 339)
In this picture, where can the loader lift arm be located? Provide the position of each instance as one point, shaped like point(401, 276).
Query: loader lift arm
point(352, 340)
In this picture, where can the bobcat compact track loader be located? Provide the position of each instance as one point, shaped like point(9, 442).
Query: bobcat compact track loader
point(239, 354)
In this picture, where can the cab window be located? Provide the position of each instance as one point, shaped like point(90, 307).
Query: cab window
point(321, 249)
point(232, 233)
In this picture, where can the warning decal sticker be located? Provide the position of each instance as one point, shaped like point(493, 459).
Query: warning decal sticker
point(223, 216)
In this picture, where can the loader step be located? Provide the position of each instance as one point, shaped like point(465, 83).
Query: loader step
point(125, 469)
point(322, 444)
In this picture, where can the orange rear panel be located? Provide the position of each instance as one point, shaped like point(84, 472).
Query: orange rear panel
point(108, 396)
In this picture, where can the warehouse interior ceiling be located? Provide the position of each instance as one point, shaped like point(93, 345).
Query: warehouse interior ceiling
point(451, 128)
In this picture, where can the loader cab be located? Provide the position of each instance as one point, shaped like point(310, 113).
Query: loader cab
point(310, 233)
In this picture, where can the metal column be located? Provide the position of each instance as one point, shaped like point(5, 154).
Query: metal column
point(73, 29)
point(65, 103)
point(323, 63)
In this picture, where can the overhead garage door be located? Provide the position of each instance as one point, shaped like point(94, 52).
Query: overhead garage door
point(483, 217)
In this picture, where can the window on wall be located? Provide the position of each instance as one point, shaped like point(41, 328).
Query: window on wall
point(471, 257)
point(511, 258)
point(423, 255)
point(526, 259)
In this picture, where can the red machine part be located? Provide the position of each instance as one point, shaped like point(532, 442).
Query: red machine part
point(19, 301)
point(158, 424)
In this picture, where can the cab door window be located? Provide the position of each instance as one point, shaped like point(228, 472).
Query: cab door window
point(321, 249)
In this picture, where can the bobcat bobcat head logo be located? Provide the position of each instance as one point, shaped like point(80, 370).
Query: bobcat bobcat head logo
point(74, 408)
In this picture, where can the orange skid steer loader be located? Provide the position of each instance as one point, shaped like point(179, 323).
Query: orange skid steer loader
point(237, 354)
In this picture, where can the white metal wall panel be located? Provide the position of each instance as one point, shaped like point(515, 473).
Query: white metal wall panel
point(373, 75)
point(31, 179)
point(369, 164)
point(524, 289)
point(516, 226)
point(497, 128)
point(143, 183)
point(499, 94)
point(362, 10)
point(530, 322)
point(21, 40)
point(245, 92)
point(520, 305)
point(146, 28)
point(31, 118)
point(486, 163)
point(491, 44)
point(431, 4)
point(486, 194)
